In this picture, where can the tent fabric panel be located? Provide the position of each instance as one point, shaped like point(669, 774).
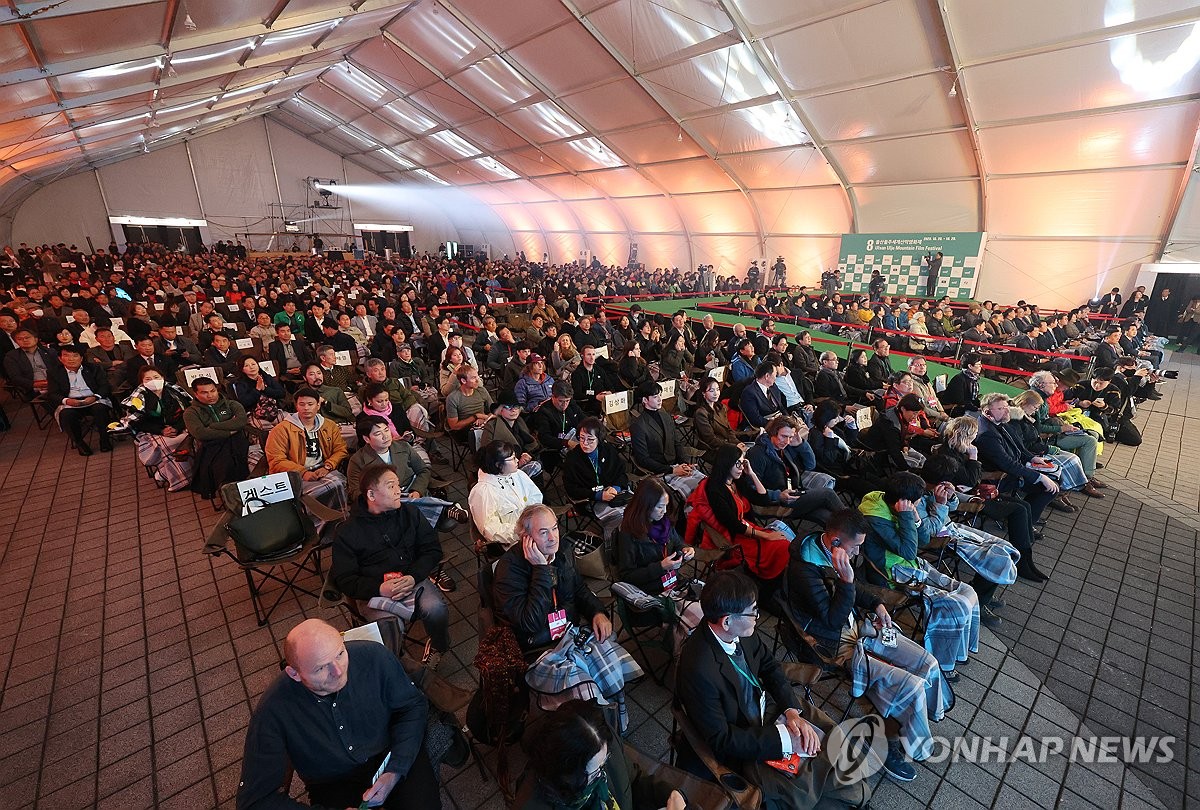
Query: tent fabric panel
point(62, 38)
point(518, 218)
point(567, 58)
point(727, 212)
point(727, 76)
point(647, 33)
point(498, 21)
point(1187, 224)
point(782, 168)
point(1062, 272)
point(615, 105)
point(831, 52)
point(985, 30)
point(554, 217)
point(565, 247)
point(928, 157)
point(806, 256)
point(913, 104)
point(728, 254)
point(1128, 138)
point(524, 191)
point(158, 184)
point(691, 176)
point(69, 210)
point(569, 187)
point(748, 129)
point(803, 210)
point(609, 248)
point(598, 216)
point(623, 183)
point(655, 143)
point(438, 38)
point(650, 214)
point(1086, 204)
point(660, 250)
point(935, 207)
point(297, 158)
point(769, 16)
point(1080, 78)
point(234, 178)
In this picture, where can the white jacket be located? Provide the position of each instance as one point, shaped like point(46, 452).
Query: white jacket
point(496, 502)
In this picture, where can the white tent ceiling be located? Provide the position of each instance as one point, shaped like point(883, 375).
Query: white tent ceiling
point(709, 131)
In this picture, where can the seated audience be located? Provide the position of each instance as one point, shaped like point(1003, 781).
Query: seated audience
point(155, 417)
point(657, 446)
point(962, 391)
point(534, 386)
point(500, 494)
point(383, 556)
point(308, 443)
point(385, 713)
point(260, 394)
point(726, 674)
point(784, 465)
point(78, 391)
point(595, 472)
point(761, 401)
point(719, 504)
point(903, 681)
point(335, 407)
point(895, 536)
point(539, 594)
point(576, 761)
point(219, 445)
point(509, 426)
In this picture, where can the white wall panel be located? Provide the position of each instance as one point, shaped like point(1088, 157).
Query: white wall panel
point(234, 173)
point(1056, 274)
point(936, 207)
point(1187, 223)
point(1130, 203)
point(297, 158)
point(158, 185)
point(408, 206)
point(68, 210)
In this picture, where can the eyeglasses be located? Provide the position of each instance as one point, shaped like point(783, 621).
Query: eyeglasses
point(752, 614)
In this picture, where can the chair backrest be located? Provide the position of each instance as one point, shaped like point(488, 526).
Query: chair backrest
point(744, 795)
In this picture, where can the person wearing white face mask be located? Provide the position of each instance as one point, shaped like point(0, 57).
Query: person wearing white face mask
point(155, 417)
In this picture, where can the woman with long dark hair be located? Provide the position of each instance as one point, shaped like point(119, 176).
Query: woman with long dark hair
point(718, 504)
point(576, 763)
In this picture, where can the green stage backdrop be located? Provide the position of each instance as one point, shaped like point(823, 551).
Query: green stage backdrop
point(898, 256)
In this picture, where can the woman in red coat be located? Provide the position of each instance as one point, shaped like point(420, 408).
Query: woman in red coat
point(718, 503)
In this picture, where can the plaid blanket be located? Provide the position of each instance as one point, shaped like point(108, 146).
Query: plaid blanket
point(1069, 473)
point(582, 667)
point(993, 558)
point(903, 682)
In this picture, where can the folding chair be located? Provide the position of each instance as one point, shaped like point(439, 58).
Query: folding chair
point(796, 642)
point(43, 414)
point(740, 793)
point(287, 567)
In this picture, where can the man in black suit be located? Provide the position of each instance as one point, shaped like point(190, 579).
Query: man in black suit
point(761, 400)
point(28, 366)
point(879, 367)
point(80, 390)
point(657, 447)
point(289, 355)
point(726, 673)
point(146, 354)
